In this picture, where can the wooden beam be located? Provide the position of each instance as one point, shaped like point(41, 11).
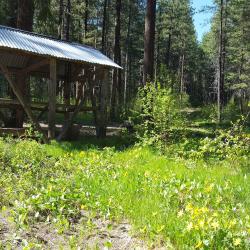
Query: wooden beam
point(17, 132)
point(34, 66)
point(52, 99)
point(23, 102)
point(41, 106)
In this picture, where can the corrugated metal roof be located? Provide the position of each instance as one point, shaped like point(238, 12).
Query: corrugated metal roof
point(48, 46)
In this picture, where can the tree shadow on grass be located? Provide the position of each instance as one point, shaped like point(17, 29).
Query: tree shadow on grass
point(120, 143)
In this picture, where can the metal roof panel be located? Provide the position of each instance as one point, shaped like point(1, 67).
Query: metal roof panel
point(49, 46)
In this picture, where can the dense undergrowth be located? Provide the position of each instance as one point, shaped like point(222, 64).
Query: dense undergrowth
point(177, 201)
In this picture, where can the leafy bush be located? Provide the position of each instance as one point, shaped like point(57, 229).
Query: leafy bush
point(227, 144)
point(157, 111)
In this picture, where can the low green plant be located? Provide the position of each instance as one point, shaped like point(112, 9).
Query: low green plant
point(166, 201)
point(231, 144)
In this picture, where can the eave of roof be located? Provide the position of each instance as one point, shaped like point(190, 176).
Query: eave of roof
point(37, 44)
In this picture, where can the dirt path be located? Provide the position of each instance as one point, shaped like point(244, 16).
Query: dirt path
point(86, 234)
point(8, 237)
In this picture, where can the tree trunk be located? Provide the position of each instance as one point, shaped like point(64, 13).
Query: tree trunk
point(25, 13)
point(61, 19)
point(104, 27)
point(116, 98)
point(182, 76)
point(68, 13)
point(220, 87)
point(127, 55)
point(67, 80)
point(12, 13)
point(86, 18)
point(149, 41)
point(169, 44)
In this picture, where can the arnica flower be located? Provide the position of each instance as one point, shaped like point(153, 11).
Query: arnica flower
point(189, 207)
point(219, 199)
point(232, 223)
point(201, 223)
point(215, 214)
point(190, 226)
point(237, 242)
point(204, 210)
point(199, 244)
point(215, 225)
point(209, 188)
point(180, 213)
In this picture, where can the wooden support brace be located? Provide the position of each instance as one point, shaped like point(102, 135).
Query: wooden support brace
point(52, 99)
point(23, 102)
point(34, 66)
point(68, 123)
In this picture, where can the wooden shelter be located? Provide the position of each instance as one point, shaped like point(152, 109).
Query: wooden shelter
point(24, 54)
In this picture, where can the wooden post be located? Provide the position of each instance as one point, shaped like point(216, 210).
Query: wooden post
point(67, 88)
point(52, 99)
point(101, 115)
point(22, 85)
point(22, 101)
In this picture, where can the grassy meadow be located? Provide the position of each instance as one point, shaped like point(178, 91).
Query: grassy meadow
point(171, 202)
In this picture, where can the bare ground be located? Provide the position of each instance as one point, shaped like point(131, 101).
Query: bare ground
point(102, 234)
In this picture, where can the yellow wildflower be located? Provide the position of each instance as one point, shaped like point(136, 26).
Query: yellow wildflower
point(199, 244)
point(204, 210)
point(189, 207)
point(232, 223)
point(190, 226)
point(209, 188)
point(215, 214)
point(237, 242)
point(209, 220)
point(180, 213)
point(215, 225)
point(219, 199)
point(201, 223)
point(196, 211)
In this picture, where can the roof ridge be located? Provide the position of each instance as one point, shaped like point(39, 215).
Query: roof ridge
point(45, 36)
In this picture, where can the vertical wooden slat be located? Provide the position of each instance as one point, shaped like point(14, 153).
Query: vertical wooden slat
point(52, 99)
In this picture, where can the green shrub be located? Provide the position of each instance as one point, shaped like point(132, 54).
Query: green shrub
point(157, 111)
point(232, 144)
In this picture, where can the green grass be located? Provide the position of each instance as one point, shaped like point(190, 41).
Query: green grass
point(177, 203)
